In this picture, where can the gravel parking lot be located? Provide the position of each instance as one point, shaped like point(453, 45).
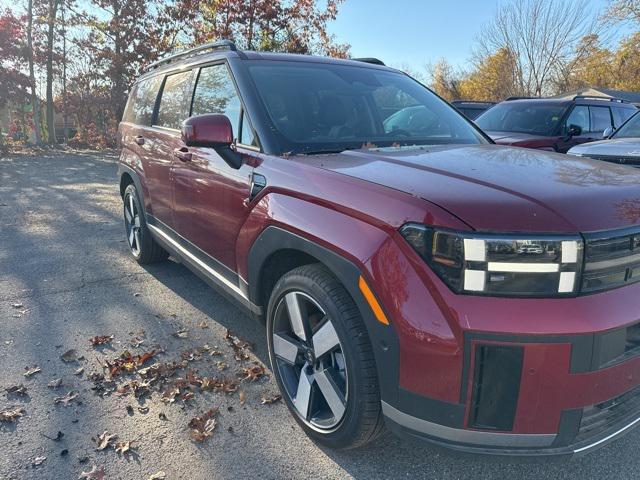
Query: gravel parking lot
point(66, 276)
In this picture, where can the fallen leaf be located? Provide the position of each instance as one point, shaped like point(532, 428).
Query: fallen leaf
point(252, 373)
point(11, 414)
point(55, 383)
point(20, 390)
point(79, 371)
point(94, 474)
point(38, 461)
point(203, 324)
point(158, 476)
point(269, 399)
point(100, 339)
point(69, 356)
point(180, 334)
point(124, 447)
point(104, 440)
point(136, 342)
point(202, 427)
point(243, 397)
point(222, 365)
point(17, 305)
point(238, 345)
point(66, 399)
point(31, 371)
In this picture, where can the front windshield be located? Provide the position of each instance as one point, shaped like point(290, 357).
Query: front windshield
point(516, 117)
point(629, 129)
point(320, 107)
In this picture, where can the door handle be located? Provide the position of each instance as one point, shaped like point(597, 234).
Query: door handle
point(140, 140)
point(183, 154)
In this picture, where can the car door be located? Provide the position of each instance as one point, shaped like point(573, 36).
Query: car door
point(579, 116)
point(173, 108)
point(600, 120)
point(209, 195)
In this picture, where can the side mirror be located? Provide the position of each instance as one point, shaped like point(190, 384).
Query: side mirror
point(608, 132)
point(574, 131)
point(211, 131)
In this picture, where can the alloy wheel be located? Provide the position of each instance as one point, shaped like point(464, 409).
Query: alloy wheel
point(310, 361)
point(132, 224)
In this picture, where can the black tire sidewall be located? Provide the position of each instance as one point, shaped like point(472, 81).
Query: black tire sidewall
point(344, 434)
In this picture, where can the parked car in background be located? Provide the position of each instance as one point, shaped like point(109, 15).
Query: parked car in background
point(622, 146)
point(472, 109)
point(409, 272)
point(553, 124)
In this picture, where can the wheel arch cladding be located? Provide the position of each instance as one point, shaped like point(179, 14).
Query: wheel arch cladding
point(275, 244)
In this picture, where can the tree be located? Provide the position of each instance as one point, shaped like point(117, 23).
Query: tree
point(444, 80)
point(35, 101)
point(493, 79)
point(52, 11)
point(542, 35)
point(623, 10)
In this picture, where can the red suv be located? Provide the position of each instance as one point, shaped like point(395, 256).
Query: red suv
point(410, 273)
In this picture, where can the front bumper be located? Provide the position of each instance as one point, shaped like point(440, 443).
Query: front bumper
point(576, 381)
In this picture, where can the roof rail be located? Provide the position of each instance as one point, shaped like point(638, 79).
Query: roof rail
point(598, 97)
point(192, 52)
point(372, 60)
point(508, 99)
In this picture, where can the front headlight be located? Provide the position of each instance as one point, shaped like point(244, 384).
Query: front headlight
point(500, 265)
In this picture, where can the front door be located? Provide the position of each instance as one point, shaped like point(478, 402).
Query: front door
point(209, 195)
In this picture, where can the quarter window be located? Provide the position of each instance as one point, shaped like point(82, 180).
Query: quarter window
point(600, 119)
point(621, 115)
point(175, 100)
point(215, 93)
point(142, 101)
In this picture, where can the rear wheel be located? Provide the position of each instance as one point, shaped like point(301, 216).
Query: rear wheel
point(141, 244)
point(322, 358)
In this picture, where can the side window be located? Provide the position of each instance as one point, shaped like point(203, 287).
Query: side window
point(246, 132)
point(621, 115)
point(579, 116)
point(142, 101)
point(600, 119)
point(215, 93)
point(175, 100)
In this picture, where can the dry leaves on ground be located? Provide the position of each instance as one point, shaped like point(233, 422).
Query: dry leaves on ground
point(29, 371)
point(11, 414)
point(20, 390)
point(269, 399)
point(203, 324)
point(66, 399)
point(105, 440)
point(240, 347)
point(94, 474)
point(125, 447)
point(252, 373)
point(128, 362)
point(38, 461)
point(202, 427)
point(55, 383)
point(100, 340)
point(158, 476)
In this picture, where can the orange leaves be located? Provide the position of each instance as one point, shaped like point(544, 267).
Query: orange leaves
point(202, 427)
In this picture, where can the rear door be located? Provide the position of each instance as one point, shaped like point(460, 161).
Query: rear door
point(173, 108)
point(579, 116)
point(210, 196)
point(600, 120)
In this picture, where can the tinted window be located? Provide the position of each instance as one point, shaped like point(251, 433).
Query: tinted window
point(175, 100)
point(317, 107)
point(579, 116)
point(215, 93)
point(630, 129)
point(522, 117)
point(246, 132)
point(142, 101)
point(600, 119)
point(621, 115)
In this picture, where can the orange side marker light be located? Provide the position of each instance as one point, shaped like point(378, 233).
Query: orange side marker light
point(372, 301)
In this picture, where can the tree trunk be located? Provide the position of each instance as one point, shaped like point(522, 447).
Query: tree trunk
point(50, 114)
point(35, 101)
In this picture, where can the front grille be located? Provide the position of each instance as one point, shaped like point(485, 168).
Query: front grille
point(622, 159)
point(611, 261)
point(599, 418)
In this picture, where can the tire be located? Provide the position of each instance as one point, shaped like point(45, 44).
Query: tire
point(353, 391)
point(141, 244)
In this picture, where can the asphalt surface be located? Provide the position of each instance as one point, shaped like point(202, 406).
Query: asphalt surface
point(63, 257)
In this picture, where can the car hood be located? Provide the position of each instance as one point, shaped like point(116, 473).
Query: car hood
point(622, 147)
point(512, 138)
point(495, 188)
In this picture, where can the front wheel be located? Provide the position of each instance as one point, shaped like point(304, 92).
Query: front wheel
point(322, 358)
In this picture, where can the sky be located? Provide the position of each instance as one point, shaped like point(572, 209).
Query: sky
point(416, 32)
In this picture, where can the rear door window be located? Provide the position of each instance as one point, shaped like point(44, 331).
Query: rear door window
point(600, 119)
point(579, 116)
point(175, 100)
point(142, 101)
